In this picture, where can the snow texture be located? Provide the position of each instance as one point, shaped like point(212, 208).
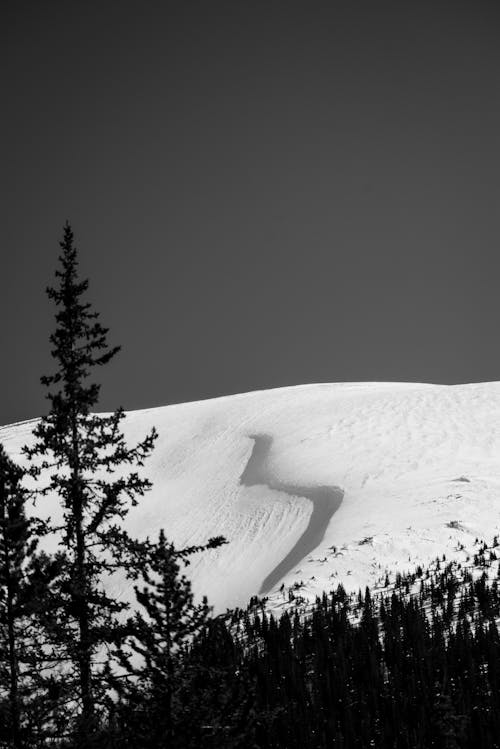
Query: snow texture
point(316, 484)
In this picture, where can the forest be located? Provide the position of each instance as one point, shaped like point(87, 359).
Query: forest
point(411, 665)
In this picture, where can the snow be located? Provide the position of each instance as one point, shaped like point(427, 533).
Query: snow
point(405, 472)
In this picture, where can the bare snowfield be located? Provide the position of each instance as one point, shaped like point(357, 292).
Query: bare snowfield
point(318, 484)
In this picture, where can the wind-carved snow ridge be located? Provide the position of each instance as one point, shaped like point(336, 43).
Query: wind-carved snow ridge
point(325, 501)
point(419, 465)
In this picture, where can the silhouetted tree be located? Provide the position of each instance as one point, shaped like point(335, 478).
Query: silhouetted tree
point(156, 658)
point(85, 457)
point(26, 577)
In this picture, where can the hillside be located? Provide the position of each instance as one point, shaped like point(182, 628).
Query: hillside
point(318, 484)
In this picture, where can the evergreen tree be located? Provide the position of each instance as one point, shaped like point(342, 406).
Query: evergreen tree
point(85, 457)
point(155, 658)
point(25, 586)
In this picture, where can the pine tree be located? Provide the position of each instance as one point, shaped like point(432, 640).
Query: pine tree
point(26, 576)
point(85, 457)
point(155, 659)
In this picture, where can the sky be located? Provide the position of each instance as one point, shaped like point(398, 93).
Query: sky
point(262, 193)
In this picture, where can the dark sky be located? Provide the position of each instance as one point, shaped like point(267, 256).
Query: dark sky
point(263, 193)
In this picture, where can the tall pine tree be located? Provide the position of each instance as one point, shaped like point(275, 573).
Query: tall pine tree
point(85, 458)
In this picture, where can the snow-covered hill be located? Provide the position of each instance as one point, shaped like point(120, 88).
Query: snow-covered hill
point(318, 483)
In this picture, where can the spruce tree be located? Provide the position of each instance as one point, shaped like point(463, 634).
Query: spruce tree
point(84, 457)
point(155, 658)
point(26, 577)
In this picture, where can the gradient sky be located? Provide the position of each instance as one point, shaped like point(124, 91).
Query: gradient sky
point(263, 193)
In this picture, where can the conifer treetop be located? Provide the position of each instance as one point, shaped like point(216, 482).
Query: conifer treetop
point(79, 341)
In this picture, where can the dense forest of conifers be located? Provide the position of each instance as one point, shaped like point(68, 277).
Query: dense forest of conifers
point(410, 666)
point(419, 666)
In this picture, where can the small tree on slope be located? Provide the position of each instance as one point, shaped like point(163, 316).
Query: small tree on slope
point(81, 453)
point(155, 657)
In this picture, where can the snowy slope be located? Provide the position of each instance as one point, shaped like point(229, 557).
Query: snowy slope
point(318, 483)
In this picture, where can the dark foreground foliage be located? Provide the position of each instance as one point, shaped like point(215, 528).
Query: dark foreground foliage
point(417, 667)
point(403, 676)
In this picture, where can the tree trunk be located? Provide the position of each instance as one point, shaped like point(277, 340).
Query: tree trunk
point(13, 691)
point(84, 645)
point(80, 597)
point(12, 654)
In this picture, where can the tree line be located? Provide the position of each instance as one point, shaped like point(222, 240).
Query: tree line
point(417, 666)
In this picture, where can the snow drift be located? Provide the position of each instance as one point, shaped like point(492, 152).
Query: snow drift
point(318, 484)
